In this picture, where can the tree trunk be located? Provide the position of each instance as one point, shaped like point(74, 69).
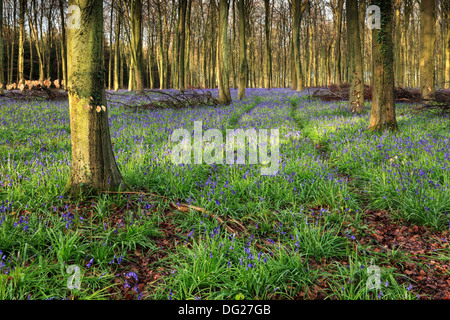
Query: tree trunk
point(13, 40)
point(93, 164)
point(337, 48)
point(136, 40)
point(21, 63)
point(242, 50)
point(447, 44)
point(293, 71)
point(356, 99)
point(233, 45)
point(298, 6)
point(63, 44)
point(181, 44)
point(31, 58)
point(162, 80)
point(187, 61)
point(427, 41)
point(117, 53)
point(224, 87)
point(2, 70)
point(267, 53)
point(110, 65)
point(383, 104)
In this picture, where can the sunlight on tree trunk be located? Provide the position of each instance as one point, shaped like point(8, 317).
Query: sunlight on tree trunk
point(382, 115)
point(356, 96)
point(242, 51)
point(2, 80)
point(427, 41)
point(93, 164)
point(222, 44)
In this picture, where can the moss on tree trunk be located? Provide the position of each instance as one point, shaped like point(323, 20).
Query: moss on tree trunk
point(93, 164)
point(383, 104)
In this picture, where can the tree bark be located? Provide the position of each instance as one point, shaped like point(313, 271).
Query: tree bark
point(337, 48)
point(21, 63)
point(356, 100)
point(242, 50)
point(427, 42)
point(93, 164)
point(2, 70)
point(136, 40)
point(267, 53)
point(117, 53)
point(383, 104)
point(63, 44)
point(181, 45)
point(110, 64)
point(298, 6)
point(224, 87)
point(447, 44)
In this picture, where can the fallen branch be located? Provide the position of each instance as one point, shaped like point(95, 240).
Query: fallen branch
point(169, 99)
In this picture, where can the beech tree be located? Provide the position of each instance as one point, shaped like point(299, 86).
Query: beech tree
point(356, 95)
point(427, 42)
point(298, 7)
point(382, 115)
point(267, 49)
point(22, 4)
point(222, 53)
point(93, 164)
point(2, 73)
point(446, 5)
point(181, 45)
point(243, 70)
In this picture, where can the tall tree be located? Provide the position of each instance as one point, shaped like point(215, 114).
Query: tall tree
point(242, 50)
point(2, 70)
point(427, 41)
point(21, 62)
point(267, 49)
point(162, 54)
point(117, 52)
point(382, 115)
point(93, 164)
point(37, 37)
point(136, 40)
point(337, 12)
point(298, 7)
point(181, 45)
point(110, 60)
point(63, 43)
point(222, 52)
point(356, 99)
point(446, 5)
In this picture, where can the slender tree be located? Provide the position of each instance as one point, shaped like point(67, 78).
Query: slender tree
point(242, 50)
point(298, 7)
point(21, 62)
point(337, 48)
point(356, 100)
point(63, 43)
point(267, 49)
point(117, 52)
point(93, 164)
point(222, 52)
point(136, 40)
point(447, 44)
point(382, 115)
point(181, 44)
point(110, 60)
point(2, 70)
point(427, 42)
